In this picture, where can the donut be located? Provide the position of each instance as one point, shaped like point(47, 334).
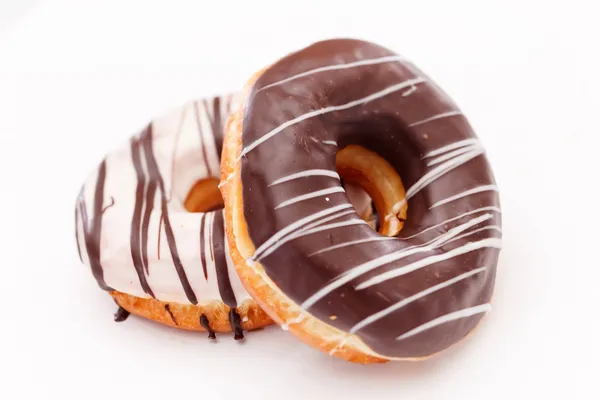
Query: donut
point(337, 284)
point(149, 224)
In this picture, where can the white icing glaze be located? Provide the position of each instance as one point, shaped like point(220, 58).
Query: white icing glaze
point(181, 140)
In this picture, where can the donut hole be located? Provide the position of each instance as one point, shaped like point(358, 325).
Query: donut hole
point(362, 203)
point(204, 196)
point(374, 175)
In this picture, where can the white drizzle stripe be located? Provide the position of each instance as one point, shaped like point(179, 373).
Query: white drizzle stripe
point(404, 302)
point(485, 228)
point(307, 232)
point(361, 269)
point(352, 243)
point(354, 103)
point(409, 91)
point(331, 142)
point(303, 174)
point(464, 313)
point(353, 64)
point(467, 248)
point(440, 171)
point(435, 117)
point(452, 146)
point(312, 195)
point(292, 227)
point(479, 189)
point(309, 226)
point(489, 208)
point(451, 154)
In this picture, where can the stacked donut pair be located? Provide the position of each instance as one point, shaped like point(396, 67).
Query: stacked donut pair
point(317, 146)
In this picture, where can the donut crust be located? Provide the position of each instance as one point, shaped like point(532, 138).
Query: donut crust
point(187, 316)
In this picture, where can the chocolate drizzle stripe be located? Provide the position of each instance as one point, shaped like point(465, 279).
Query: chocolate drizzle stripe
point(149, 207)
point(202, 240)
point(154, 174)
point(222, 270)
point(202, 143)
point(135, 240)
point(216, 124)
point(93, 235)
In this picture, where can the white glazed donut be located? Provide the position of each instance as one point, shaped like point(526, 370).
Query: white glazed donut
point(156, 258)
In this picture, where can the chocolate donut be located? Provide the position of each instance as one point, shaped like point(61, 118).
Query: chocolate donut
point(302, 251)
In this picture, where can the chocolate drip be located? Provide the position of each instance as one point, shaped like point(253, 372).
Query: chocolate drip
point(236, 324)
point(202, 255)
point(135, 241)
point(121, 314)
point(206, 326)
point(92, 236)
point(218, 246)
point(168, 309)
point(154, 175)
point(204, 154)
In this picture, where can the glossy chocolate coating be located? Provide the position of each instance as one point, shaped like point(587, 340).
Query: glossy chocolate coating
point(403, 126)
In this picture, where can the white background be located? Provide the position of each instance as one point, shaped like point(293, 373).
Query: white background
point(78, 77)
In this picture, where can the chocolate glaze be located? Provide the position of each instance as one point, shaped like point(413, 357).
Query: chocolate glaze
point(204, 323)
point(402, 122)
point(236, 324)
point(168, 309)
point(121, 314)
